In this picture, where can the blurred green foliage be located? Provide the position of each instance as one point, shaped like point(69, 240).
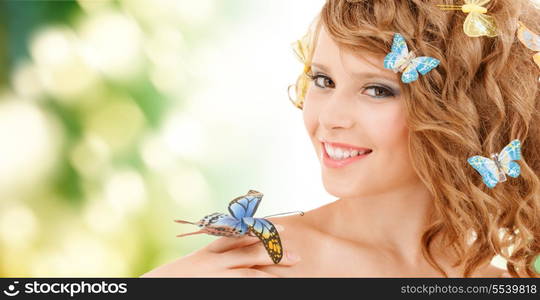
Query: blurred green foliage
point(98, 167)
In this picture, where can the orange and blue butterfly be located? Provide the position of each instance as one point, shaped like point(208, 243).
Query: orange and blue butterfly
point(401, 60)
point(493, 170)
point(241, 222)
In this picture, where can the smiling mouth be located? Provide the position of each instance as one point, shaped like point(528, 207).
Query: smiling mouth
point(341, 160)
point(337, 152)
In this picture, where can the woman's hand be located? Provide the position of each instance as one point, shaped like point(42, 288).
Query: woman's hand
point(224, 257)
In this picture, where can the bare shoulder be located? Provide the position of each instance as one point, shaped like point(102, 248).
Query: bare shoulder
point(295, 226)
point(299, 225)
point(305, 236)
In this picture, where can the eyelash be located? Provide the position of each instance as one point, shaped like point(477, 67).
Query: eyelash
point(314, 78)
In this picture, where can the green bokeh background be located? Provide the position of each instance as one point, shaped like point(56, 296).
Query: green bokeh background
point(101, 144)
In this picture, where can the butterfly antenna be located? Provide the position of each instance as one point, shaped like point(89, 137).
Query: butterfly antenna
point(184, 222)
point(191, 233)
point(449, 7)
point(287, 213)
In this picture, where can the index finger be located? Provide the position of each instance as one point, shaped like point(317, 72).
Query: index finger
point(226, 243)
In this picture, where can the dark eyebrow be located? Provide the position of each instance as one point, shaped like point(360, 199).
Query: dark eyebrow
point(363, 75)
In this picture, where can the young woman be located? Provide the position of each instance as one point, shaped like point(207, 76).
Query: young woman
point(395, 151)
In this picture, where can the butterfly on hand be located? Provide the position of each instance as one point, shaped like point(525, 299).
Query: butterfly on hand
point(401, 60)
point(241, 222)
point(493, 170)
point(531, 40)
point(477, 23)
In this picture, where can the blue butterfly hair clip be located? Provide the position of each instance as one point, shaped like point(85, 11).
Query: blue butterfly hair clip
point(400, 59)
point(241, 222)
point(493, 170)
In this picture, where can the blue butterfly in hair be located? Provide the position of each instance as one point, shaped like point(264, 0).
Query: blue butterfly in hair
point(241, 222)
point(493, 170)
point(401, 60)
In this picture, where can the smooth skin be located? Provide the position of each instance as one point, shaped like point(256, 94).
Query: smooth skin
point(375, 226)
point(224, 257)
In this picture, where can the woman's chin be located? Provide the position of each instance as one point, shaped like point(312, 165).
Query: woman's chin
point(345, 190)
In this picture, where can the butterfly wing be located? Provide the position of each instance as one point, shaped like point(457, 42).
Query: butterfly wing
point(391, 60)
point(397, 54)
point(300, 48)
point(399, 45)
point(269, 236)
point(245, 206)
point(229, 226)
point(531, 40)
point(536, 58)
point(507, 156)
point(422, 64)
point(487, 168)
point(409, 74)
point(302, 86)
point(425, 64)
point(528, 38)
point(219, 224)
point(477, 24)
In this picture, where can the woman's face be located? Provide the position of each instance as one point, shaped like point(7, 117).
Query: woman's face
point(353, 100)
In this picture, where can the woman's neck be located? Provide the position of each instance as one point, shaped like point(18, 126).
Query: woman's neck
point(393, 221)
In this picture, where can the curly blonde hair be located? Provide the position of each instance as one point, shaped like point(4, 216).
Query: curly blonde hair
point(484, 93)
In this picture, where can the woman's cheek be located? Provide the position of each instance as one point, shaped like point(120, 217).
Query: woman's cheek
point(389, 127)
point(392, 138)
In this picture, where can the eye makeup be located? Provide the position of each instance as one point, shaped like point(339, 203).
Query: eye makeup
point(379, 89)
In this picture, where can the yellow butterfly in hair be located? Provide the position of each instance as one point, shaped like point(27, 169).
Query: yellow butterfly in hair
point(530, 40)
point(477, 23)
point(301, 50)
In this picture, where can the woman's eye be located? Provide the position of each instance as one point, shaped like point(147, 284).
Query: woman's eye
point(322, 81)
point(379, 92)
point(375, 91)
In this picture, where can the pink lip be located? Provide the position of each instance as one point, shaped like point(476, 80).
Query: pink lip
point(331, 163)
point(344, 146)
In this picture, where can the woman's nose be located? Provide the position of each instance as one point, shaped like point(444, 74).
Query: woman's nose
point(337, 113)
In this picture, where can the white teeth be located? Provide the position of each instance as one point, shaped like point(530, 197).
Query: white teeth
point(339, 153)
point(329, 150)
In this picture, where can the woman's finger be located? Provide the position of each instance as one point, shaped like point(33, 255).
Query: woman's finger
point(226, 243)
point(255, 255)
